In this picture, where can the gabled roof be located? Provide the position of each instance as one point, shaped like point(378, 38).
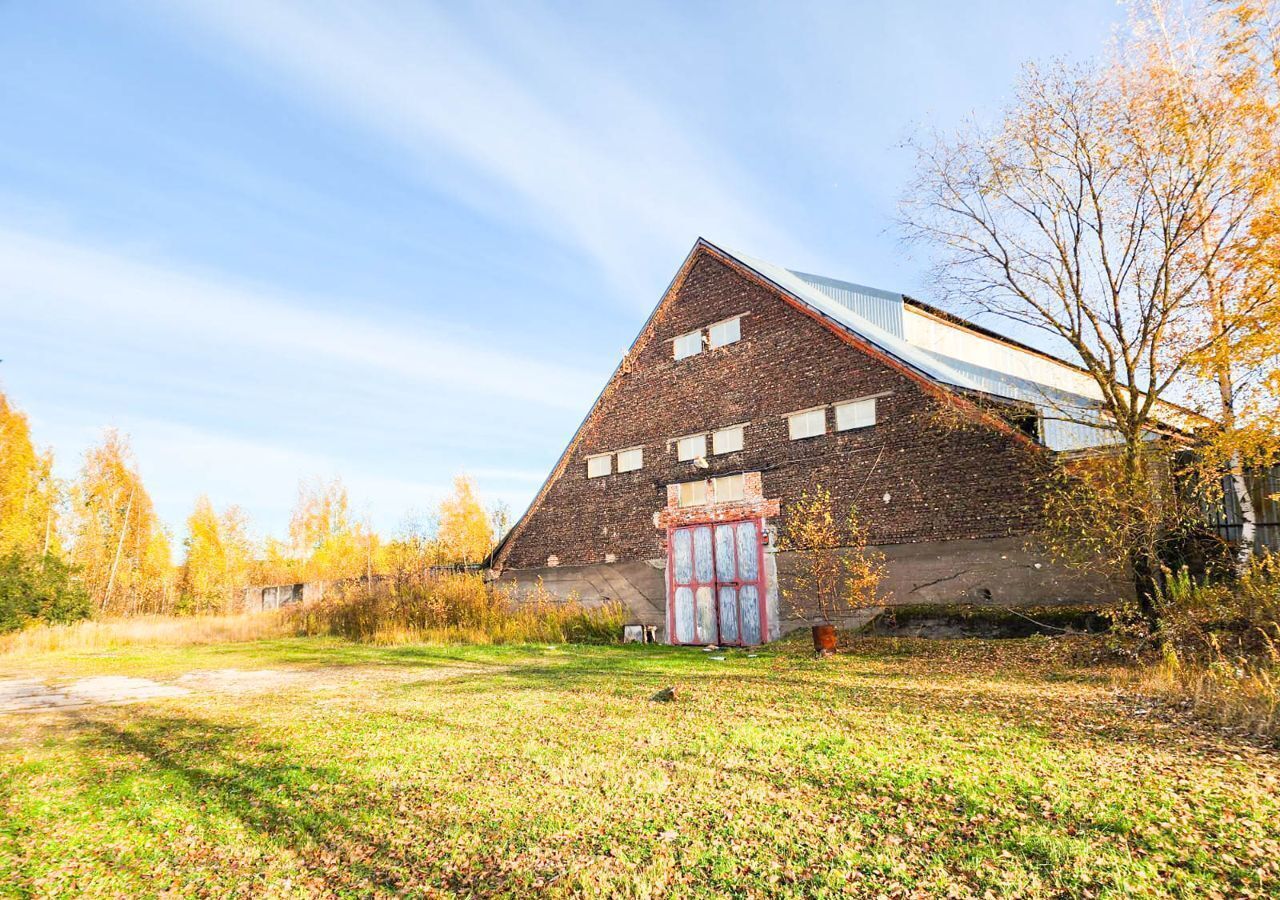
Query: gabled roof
point(891, 323)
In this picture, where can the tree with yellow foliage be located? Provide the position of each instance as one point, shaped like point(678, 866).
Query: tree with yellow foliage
point(1213, 73)
point(29, 494)
point(35, 582)
point(324, 536)
point(217, 559)
point(275, 564)
point(837, 571)
point(466, 532)
point(1108, 210)
point(117, 541)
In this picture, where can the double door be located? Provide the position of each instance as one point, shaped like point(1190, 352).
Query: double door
point(715, 590)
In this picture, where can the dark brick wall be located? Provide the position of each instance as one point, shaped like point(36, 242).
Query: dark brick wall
point(943, 482)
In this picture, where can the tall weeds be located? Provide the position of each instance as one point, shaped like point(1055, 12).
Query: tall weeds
point(454, 608)
point(1217, 649)
point(446, 609)
point(1239, 692)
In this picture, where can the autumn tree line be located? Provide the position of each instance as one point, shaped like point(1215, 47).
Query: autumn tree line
point(94, 545)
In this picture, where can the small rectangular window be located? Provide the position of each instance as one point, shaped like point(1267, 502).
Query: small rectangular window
point(855, 414)
point(726, 332)
point(630, 460)
point(599, 466)
point(1027, 421)
point(693, 493)
point(728, 488)
point(688, 344)
point(726, 440)
point(691, 447)
point(810, 423)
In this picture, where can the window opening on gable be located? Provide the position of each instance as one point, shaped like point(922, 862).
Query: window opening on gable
point(631, 459)
point(1025, 420)
point(687, 345)
point(599, 466)
point(727, 440)
point(693, 493)
point(691, 447)
point(727, 332)
point(855, 414)
point(728, 488)
point(808, 423)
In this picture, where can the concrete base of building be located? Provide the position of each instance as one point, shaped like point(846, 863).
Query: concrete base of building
point(991, 572)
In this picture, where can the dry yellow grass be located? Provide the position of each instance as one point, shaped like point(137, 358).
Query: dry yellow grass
point(451, 609)
point(107, 634)
point(455, 609)
point(1239, 693)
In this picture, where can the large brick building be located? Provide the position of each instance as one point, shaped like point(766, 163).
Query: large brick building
point(750, 383)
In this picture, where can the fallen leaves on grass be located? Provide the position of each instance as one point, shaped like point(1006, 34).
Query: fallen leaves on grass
point(901, 769)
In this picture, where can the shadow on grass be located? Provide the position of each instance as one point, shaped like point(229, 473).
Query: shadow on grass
point(227, 770)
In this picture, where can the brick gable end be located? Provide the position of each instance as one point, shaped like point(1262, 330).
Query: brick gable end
point(912, 477)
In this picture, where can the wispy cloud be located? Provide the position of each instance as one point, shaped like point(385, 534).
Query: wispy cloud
point(534, 134)
point(47, 281)
point(179, 462)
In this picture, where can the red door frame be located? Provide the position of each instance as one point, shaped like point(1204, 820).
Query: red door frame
point(715, 583)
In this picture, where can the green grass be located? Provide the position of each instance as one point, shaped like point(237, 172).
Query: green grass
point(903, 767)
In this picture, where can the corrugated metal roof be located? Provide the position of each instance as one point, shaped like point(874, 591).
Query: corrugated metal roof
point(877, 316)
point(820, 302)
point(884, 308)
point(1068, 421)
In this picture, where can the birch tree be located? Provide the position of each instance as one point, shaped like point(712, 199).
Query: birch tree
point(218, 554)
point(117, 540)
point(466, 532)
point(325, 536)
point(1230, 52)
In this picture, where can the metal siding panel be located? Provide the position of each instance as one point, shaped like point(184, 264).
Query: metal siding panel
point(878, 317)
point(882, 308)
point(1059, 409)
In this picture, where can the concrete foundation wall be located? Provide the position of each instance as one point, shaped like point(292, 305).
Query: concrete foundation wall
point(640, 586)
point(991, 572)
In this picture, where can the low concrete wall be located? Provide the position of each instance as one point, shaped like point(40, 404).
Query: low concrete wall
point(639, 585)
point(993, 572)
point(998, 572)
point(263, 597)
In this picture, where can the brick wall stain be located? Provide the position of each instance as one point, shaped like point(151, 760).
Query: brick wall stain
point(943, 483)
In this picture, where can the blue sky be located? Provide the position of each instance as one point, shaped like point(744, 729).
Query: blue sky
point(396, 242)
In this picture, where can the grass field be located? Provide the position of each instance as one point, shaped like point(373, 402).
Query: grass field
point(949, 768)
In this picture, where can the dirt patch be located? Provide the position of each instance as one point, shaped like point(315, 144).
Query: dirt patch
point(34, 695)
point(239, 681)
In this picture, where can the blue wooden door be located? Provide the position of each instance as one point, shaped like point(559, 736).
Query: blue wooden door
point(716, 589)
